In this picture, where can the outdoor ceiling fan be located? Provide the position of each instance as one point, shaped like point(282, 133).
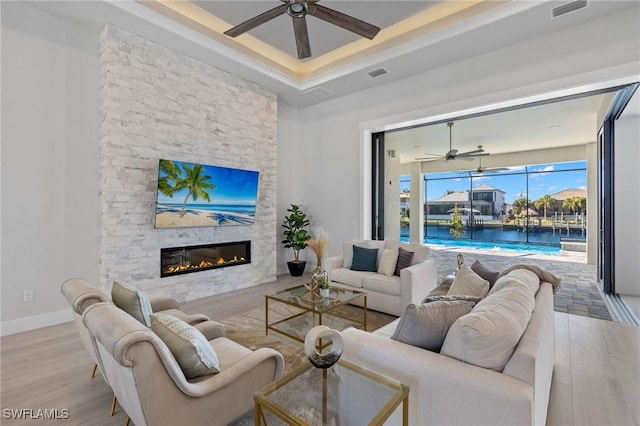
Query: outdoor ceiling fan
point(298, 10)
point(481, 170)
point(452, 154)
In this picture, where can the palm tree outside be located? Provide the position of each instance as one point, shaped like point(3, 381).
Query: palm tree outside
point(544, 202)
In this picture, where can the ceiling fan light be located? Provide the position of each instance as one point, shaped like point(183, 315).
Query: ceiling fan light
point(297, 10)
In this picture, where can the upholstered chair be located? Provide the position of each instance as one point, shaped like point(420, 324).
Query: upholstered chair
point(151, 386)
point(80, 294)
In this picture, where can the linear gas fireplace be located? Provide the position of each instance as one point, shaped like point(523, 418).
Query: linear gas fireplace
point(184, 260)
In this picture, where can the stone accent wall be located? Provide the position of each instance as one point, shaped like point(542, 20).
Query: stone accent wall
point(156, 103)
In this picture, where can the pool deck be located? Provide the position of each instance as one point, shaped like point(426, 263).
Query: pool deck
point(578, 294)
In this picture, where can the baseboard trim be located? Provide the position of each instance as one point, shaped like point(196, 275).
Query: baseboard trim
point(35, 321)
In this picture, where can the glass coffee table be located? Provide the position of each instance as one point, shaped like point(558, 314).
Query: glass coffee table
point(345, 394)
point(311, 311)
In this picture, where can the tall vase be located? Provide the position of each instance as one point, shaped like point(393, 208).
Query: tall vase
point(318, 275)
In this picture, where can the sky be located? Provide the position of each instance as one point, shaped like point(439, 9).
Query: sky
point(233, 186)
point(543, 179)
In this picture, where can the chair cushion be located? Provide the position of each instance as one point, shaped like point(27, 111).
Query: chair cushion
point(364, 259)
point(426, 326)
point(382, 284)
point(388, 262)
point(488, 335)
point(405, 259)
point(485, 273)
point(133, 301)
point(468, 283)
point(191, 350)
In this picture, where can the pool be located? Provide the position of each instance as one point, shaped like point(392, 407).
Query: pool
point(494, 245)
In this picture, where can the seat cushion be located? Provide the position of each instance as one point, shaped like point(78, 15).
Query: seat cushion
point(133, 301)
point(188, 346)
point(228, 351)
point(349, 277)
point(382, 284)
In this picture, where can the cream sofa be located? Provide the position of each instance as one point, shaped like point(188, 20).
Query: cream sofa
point(389, 294)
point(446, 390)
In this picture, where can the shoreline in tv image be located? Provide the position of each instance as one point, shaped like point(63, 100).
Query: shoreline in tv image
point(191, 195)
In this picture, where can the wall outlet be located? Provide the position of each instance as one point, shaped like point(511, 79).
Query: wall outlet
point(27, 296)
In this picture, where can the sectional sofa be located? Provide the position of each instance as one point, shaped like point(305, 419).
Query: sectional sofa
point(486, 372)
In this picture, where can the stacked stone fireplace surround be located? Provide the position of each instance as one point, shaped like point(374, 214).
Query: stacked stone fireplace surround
point(156, 103)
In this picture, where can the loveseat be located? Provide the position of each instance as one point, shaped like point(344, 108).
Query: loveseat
point(386, 292)
point(450, 387)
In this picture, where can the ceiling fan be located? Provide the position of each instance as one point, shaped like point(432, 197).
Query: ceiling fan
point(453, 154)
point(298, 10)
point(481, 170)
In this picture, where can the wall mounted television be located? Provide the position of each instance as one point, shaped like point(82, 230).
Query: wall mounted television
point(191, 194)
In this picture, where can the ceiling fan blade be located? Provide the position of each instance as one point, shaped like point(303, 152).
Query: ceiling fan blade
point(257, 20)
point(474, 153)
point(347, 22)
point(302, 37)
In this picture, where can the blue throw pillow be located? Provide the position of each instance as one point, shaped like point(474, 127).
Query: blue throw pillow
point(364, 259)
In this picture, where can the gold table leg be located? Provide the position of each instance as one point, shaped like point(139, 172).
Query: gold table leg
point(93, 373)
point(113, 405)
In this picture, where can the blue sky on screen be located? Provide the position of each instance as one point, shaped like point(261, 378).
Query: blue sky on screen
point(543, 179)
point(233, 186)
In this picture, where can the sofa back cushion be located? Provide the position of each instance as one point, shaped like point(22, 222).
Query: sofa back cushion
point(488, 335)
point(421, 253)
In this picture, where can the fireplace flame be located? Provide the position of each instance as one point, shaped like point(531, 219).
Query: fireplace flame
point(203, 264)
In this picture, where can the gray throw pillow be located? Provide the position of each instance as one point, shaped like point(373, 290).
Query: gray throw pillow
point(189, 347)
point(426, 326)
point(405, 258)
point(482, 270)
point(364, 259)
point(132, 301)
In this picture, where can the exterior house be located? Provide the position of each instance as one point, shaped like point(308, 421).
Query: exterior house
point(482, 200)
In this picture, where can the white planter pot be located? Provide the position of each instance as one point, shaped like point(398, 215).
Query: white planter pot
point(324, 292)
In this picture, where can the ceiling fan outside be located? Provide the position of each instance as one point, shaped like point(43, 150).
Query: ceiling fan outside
point(298, 10)
point(452, 154)
point(481, 170)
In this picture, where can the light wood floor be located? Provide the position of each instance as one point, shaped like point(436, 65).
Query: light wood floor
point(596, 379)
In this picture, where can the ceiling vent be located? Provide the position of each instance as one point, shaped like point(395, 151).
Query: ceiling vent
point(377, 73)
point(318, 93)
point(569, 7)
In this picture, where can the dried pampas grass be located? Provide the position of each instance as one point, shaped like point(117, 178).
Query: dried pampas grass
point(319, 244)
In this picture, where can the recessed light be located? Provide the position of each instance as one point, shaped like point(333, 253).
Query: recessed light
point(555, 127)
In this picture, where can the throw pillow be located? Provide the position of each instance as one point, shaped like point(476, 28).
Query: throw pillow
point(404, 260)
point(347, 252)
point(468, 283)
point(426, 326)
point(132, 301)
point(482, 271)
point(189, 347)
point(388, 262)
point(364, 259)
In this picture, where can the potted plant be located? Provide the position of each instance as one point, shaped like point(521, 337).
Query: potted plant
point(296, 237)
point(323, 285)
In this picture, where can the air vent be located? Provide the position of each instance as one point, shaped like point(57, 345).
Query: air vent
point(377, 73)
point(318, 93)
point(569, 7)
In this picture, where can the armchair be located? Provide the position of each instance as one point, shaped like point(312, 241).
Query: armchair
point(152, 388)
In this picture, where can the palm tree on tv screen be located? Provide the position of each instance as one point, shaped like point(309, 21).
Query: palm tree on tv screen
point(196, 183)
point(170, 174)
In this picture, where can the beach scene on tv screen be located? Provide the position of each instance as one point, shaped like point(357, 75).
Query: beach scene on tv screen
point(191, 194)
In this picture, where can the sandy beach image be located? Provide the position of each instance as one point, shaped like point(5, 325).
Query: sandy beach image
point(169, 217)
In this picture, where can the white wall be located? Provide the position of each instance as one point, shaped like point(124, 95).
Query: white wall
point(49, 162)
point(334, 144)
point(627, 203)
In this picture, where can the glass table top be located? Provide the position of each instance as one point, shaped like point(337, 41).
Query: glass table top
point(300, 297)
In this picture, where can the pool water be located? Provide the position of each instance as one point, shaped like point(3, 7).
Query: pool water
point(495, 245)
